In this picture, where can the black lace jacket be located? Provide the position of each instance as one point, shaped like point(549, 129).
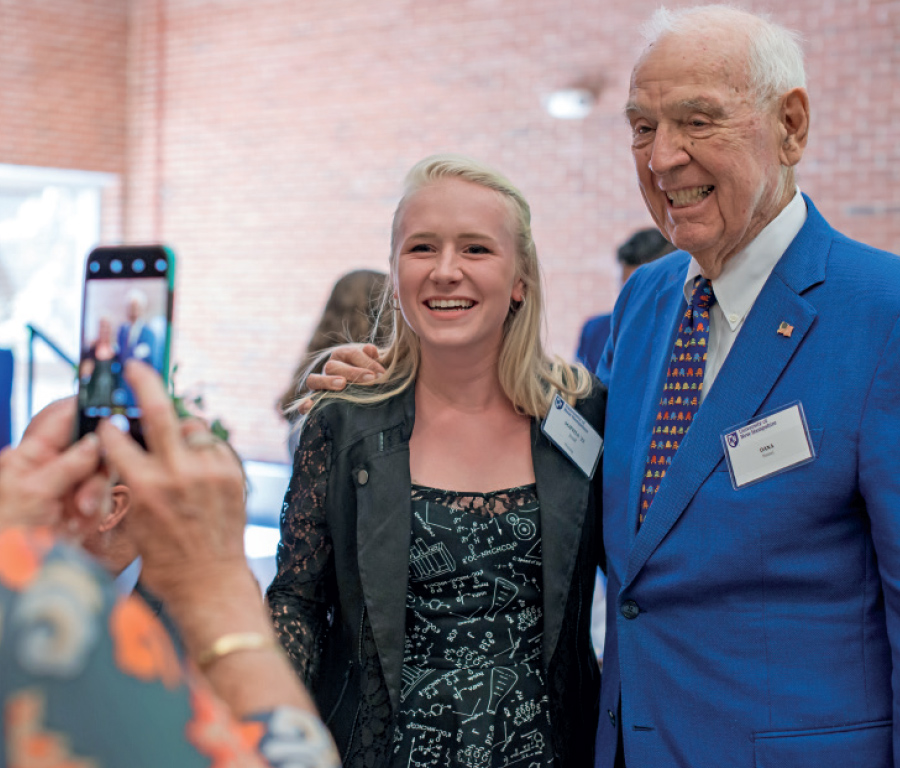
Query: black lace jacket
point(338, 599)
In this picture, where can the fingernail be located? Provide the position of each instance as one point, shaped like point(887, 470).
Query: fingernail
point(88, 506)
point(90, 440)
point(367, 377)
point(340, 382)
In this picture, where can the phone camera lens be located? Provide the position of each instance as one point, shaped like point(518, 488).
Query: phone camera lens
point(138, 265)
point(115, 266)
point(94, 267)
point(161, 265)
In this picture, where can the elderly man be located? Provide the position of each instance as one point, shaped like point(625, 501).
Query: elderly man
point(754, 559)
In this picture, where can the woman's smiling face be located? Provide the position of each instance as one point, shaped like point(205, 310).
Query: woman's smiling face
point(455, 269)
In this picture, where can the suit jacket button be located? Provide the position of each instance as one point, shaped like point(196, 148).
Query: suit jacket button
point(612, 717)
point(362, 477)
point(630, 609)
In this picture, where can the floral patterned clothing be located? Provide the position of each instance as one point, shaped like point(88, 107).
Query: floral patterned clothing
point(89, 679)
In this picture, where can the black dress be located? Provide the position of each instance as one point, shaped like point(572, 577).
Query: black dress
point(473, 690)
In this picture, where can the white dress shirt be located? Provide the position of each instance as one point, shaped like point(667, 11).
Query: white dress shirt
point(743, 277)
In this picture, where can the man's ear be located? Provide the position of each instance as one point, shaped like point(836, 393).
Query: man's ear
point(793, 116)
point(121, 503)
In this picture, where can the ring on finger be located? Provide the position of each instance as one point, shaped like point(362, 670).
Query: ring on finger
point(201, 439)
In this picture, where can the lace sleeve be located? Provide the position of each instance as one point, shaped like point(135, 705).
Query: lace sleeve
point(300, 597)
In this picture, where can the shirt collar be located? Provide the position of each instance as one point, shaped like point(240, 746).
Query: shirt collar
point(744, 274)
point(126, 581)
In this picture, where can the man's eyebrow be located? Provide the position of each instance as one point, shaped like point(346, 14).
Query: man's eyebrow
point(631, 108)
point(707, 107)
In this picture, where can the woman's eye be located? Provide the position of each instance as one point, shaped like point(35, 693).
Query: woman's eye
point(420, 248)
point(479, 249)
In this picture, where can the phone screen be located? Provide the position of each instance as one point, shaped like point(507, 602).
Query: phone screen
point(126, 314)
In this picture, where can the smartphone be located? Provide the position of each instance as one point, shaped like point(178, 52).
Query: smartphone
point(126, 313)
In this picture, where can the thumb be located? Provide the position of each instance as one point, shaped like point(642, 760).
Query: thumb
point(71, 468)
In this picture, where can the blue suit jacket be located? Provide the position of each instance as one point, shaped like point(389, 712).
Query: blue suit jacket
point(767, 626)
point(145, 343)
point(594, 334)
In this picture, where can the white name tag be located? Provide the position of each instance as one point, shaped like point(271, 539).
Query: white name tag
point(568, 431)
point(774, 443)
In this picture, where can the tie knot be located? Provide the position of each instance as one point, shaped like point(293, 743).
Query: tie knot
point(702, 296)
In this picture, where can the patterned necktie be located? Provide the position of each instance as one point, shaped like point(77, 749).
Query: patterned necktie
point(681, 392)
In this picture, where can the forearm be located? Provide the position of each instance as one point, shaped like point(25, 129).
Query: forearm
point(249, 680)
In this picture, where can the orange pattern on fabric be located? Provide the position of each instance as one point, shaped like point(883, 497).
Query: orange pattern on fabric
point(215, 734)
point(141, 646)
point(22, 550)
point(252, 734)
point(28, 744)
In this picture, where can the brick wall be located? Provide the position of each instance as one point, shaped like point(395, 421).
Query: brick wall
point(62, 80)
point(266, 143)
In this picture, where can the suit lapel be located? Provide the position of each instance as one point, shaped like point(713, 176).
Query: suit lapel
point(562, 491)
point(753, 366)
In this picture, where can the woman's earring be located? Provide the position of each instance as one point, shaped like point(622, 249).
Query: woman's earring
point(517, 306)
point(395, 303)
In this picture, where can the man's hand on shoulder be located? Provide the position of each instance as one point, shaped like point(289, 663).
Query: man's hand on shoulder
point(354, 363)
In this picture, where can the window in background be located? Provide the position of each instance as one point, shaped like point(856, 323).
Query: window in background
point(49, 221)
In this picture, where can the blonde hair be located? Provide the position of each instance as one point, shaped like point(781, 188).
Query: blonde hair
point(528, 376)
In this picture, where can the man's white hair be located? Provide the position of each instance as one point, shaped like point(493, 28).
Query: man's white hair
point(775, 57)
point(136, 294)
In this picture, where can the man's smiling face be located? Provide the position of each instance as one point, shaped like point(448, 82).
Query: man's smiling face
point(706, 155)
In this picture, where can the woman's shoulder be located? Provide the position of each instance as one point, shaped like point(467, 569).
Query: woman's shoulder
point(357, 412)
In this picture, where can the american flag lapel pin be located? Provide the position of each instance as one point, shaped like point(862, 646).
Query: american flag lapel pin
point(785, 329)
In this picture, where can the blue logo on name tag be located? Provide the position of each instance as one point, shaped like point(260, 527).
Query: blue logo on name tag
point(733, 439)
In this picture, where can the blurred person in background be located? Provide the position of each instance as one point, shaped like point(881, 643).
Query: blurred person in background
point(642, 247)
point(438, 552)
point(350, 315)
point(100, 368)
point(90, 677)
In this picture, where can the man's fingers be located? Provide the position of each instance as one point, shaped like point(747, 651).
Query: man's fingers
point(348, 371)
point(318, 382)
point(364, 357)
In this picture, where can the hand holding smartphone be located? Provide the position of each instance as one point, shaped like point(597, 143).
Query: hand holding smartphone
point(126, 314)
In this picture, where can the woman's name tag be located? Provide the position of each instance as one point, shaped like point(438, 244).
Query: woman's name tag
point(568, 431)
point(771, 444)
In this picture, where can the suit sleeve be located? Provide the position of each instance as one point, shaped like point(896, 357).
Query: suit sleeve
point(879, 483)
point(301, 595)
point(604, 365)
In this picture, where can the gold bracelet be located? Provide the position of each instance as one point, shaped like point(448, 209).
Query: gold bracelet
point(232, 643)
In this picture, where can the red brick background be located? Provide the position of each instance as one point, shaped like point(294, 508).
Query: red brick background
point(266, 142)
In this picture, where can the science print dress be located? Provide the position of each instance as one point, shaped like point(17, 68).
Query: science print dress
point(473, 693)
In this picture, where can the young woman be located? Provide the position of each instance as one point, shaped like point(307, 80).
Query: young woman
point(438, 552)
